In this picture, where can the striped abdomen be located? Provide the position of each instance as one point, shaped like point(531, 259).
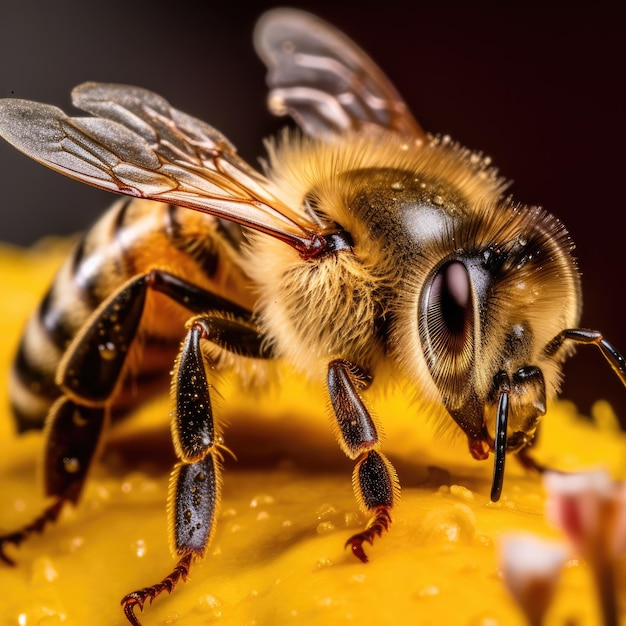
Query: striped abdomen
point(133, 237)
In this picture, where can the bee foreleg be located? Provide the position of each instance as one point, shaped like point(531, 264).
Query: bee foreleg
point(374, 480)
point(590, 337)
point(195, 481)
point(527, 461)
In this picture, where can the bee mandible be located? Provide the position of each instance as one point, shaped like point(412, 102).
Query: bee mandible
point(367, 250)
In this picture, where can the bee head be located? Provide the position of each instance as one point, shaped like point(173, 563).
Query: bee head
point(486, 314)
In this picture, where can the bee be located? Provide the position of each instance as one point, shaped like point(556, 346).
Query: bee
point(366, 250)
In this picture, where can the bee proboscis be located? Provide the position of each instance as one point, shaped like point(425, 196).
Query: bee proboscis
point(366, 250)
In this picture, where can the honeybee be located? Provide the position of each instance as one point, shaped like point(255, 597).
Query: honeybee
point(366, 250)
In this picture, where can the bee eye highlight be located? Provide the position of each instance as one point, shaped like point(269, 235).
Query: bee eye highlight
point(449, 308)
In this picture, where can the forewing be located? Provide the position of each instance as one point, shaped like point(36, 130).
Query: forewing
point(323, 80)
point(137, 144)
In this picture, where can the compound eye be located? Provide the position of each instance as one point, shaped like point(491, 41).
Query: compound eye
point(448, 321)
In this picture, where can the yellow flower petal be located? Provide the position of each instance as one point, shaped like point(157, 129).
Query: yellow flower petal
point(278, 553)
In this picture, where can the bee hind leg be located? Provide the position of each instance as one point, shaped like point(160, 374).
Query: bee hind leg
point(87, 376)
point(374, 480)
point(73, 432)
point(49, 515)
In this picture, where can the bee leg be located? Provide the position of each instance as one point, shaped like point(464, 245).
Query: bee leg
point(526, 460)
point(195, 481)
point(88, 376)
point(49, 515)
point(586, 336)
point(72, 435)
point(375, 481)
point(101, 349)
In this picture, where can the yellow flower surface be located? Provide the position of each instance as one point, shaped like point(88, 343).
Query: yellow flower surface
point(278, 554)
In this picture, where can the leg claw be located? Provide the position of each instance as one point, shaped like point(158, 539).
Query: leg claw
point(377, 526)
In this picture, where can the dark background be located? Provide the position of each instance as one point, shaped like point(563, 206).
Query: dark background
point(537, 88)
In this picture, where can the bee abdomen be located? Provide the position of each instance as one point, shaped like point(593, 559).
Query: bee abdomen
point(47, 334)
point(134, 236)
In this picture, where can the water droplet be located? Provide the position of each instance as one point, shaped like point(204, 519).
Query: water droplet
point(325, 528)
point(262, 498)
point(44, 570)
point(76, 543)
point(107, 350)
point(428, 591)
point(210, 604)
point(71, 464)
point(140, 548)
point(325, 511)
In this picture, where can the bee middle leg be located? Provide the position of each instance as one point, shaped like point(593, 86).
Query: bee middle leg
point(195, 480)
point(375, 481)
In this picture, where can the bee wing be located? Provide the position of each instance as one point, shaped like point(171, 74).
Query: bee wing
point(323, 80)
point(137, 144)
